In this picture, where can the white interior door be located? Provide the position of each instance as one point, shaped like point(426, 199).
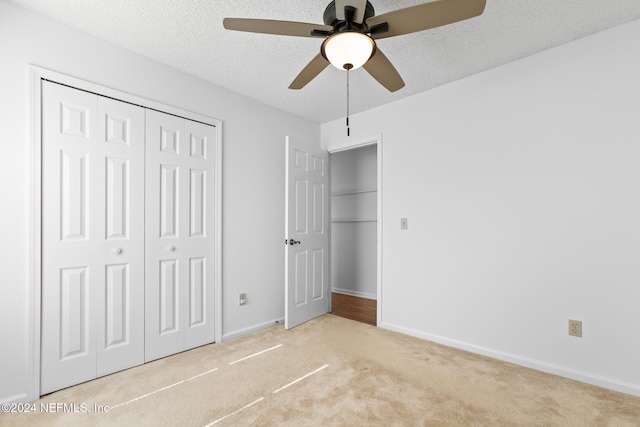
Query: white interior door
point(92, 241)
point(307, 239)
point(179, 235)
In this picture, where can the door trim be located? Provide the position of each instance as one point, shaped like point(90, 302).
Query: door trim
point(358, 143)
point(37, 74)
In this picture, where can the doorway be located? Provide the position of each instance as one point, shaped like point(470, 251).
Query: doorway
point(354, 233)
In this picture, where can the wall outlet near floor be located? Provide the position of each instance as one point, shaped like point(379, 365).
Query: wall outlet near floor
point(243, 299)
point(575, 328)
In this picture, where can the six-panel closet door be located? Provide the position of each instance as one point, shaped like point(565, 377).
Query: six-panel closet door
point(127, 235)
point(92, 236)
point(179, 235)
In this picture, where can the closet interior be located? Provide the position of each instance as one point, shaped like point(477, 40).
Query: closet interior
point(354, 201)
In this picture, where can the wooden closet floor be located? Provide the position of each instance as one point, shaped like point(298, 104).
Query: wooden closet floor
point(355, 308)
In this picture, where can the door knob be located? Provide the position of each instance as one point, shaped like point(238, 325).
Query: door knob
point(171, 248)
point(293, 242)
point(117, 251)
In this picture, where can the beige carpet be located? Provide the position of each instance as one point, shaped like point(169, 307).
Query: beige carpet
point(332, 371)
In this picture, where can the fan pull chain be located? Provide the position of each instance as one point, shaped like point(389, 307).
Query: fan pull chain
point(348, 67)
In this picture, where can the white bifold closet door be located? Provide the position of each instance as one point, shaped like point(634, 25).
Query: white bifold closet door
point(179, 235)
point(92, 236)
point(127, 235)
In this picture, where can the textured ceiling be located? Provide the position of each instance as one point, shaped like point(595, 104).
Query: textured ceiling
point(188, 35)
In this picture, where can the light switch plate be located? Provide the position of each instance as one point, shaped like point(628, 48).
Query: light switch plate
point(404, 223)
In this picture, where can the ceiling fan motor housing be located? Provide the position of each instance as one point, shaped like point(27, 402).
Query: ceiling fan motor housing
point(330, 18)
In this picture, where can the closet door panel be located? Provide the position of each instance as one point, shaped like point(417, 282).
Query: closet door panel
point(92, 236)
point(70, 237)
point(198, 232)
point(166, 221)
point(120, 307)
point(179, 238)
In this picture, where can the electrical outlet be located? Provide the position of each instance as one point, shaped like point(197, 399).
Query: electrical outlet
point(575, 328)
point(243, 299)
point(404, 223)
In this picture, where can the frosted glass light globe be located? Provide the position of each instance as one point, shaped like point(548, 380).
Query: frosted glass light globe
point(348, 50)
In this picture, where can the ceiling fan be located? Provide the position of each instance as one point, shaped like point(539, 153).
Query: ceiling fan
point(351, 28)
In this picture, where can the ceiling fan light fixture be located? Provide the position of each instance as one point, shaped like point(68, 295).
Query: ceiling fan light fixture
point(348, 50)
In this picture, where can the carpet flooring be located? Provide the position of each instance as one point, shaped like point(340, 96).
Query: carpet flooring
point(330, 371)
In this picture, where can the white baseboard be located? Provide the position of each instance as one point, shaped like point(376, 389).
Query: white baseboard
point(354, 293)
point(16, 398)
point(251, 329)
point(585, 377)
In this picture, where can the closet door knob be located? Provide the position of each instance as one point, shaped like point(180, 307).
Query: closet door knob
point(171, 248)
point(117, 251)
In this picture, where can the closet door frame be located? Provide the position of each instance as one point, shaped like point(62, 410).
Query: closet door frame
point(37, 75)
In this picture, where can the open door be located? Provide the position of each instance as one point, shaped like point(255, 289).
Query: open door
point(307, 239)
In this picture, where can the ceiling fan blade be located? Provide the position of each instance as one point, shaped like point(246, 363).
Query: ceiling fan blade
point(426, 16)
point(283, 28)
point(308, 73)
point(359, 5)
point(384, 72)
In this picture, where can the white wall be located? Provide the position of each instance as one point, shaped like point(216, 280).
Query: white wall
point(354, 228)
point(521, 185)
point(253, 173)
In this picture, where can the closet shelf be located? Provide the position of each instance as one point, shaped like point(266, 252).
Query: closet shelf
point(349, 193)
point(355, 220)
